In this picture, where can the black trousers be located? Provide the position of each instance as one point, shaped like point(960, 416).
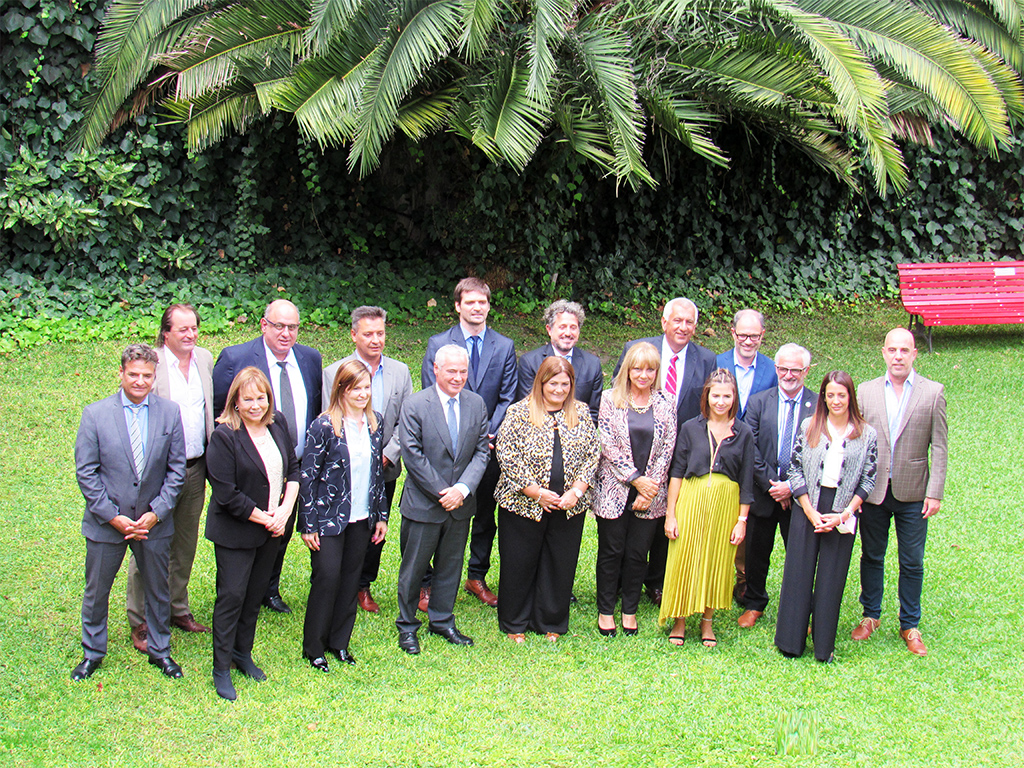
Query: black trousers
point(242, 576)
point(334, 582)
point(481, 537)
point(274, 585)
point(371, 562)
point(655, 578)
point(759, 544)
point(812, 583)
point(622, 547)
point(538, 565)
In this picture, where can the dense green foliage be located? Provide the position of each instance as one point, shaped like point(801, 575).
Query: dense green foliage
point(92, 244)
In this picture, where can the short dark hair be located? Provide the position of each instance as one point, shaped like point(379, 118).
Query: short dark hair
point(367, 312)
point(140, 351)
point(471, 284)
point(165, 320)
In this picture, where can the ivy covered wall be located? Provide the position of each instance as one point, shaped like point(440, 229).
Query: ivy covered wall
point(89, 244)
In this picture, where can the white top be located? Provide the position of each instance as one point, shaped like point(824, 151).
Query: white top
point(188, 394)
point(357, 437)
point(833, 468)
point(272, 462)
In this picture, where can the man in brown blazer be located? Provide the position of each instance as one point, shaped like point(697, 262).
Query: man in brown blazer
point(909, 413)
point(184, 375)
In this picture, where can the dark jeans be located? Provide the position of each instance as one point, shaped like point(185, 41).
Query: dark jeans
point(911, 532)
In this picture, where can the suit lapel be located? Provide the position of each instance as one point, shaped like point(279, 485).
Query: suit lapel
point(122, 431)
point(691, 369)
point(912, 403)
point(439, 418)
point(254, 455)
point(486, 353)
point(770, 420)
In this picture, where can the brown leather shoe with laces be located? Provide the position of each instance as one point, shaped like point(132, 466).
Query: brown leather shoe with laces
point(140, 635)
point(747, 619)
point(478, 588)
point(424, 599)
point(912, 637)
point(366, 601)
point(188, 623)
point(864, 630)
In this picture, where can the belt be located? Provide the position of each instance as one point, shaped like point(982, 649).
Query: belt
point(189, 463)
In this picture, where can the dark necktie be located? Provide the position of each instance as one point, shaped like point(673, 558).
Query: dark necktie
point(786, 448)
point(453, 425)
point(474, 353)
point(288, 404)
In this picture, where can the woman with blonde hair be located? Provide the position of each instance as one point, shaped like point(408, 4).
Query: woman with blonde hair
point(343, 505)
point(638, 430)
point(254, 479)
point(710, 489)
point(547, 448)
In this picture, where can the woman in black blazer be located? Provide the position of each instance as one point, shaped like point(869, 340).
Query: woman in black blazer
point(342, 502)
point(254, 478)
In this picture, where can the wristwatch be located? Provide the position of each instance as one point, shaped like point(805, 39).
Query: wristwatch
point(578, 492)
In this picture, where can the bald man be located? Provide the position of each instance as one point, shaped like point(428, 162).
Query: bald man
point(909, 413)
point(295, 374)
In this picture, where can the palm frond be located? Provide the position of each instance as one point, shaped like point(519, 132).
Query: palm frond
point(479, 18)
point(547, 28)
point(328, 18)
point(507, 121)
point(981, 23)
point(687, 121)
point(428, 113)
point(209, 118)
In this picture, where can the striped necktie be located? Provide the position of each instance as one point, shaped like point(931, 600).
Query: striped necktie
point(135, 434)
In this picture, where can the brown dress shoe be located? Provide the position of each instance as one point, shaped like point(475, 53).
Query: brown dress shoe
point(863, 630)
point(479, 590)
point(747, 619)
point(188, 623)
point(424, 599)
point(139, 638)
point(366, 601)
point(912, 637)
point(654, 593)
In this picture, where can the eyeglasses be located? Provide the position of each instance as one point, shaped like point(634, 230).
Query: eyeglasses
point(282, 326)
point(749, 336)
point(789, 371)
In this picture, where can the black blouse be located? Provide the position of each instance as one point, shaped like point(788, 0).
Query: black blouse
point(735, 458)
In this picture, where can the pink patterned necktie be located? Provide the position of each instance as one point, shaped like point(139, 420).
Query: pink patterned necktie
point(670, 377)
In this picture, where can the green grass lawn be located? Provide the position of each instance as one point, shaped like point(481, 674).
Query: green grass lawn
point(585, 701)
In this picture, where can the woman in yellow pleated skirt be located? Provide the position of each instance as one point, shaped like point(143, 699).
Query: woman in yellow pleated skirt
point(709, 494)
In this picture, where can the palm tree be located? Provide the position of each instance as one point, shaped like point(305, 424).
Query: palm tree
point(843, 80)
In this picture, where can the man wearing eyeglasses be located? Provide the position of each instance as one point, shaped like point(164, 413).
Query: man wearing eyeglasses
point(754, 372)
point(295, 373)
point(774, 415)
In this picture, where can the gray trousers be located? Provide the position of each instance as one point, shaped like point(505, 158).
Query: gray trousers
point(102, 562)
point(446, 542)
point(186, 516)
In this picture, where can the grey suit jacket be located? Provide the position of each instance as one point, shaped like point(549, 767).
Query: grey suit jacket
point(431, 464)
point(906, 452)
point(204, 361)
point(762, 415)
point(397, 387)
point(106, 473)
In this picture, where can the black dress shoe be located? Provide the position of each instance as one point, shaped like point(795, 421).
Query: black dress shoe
point(275, 603)
point(85, 669)
point(222, 682)
point(168, 666)
point(248, 668)
point(408, 642)
point(343, 655)
point(452, 635)
point(318, 662)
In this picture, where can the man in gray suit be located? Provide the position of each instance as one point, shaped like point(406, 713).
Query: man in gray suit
point(390, 384)
point(130, 464)
point(443, 433)
point(184, 374)
point(909, 413)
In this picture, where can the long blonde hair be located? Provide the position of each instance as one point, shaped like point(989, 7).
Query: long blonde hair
point(551, 367)
point(640, 355)
point(349, 375)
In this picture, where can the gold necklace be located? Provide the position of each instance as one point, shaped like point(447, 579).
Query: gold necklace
point(637, 408)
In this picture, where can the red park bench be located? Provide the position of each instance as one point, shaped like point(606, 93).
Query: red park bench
point(963, 293)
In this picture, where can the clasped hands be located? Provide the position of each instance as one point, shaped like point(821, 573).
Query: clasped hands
point(550, 501)
point(134, 529)
point(273, 521)
point(646, 490)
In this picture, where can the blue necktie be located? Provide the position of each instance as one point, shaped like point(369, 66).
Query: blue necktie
point(786, 449)
point(474, 353)
point(135, 434)
point(453, 425)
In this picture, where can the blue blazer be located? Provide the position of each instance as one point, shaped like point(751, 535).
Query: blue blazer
point(233, 359)
point(764, 373)
point(589, 376)
point(496, 379)
point(699, 364)
point(325, 484)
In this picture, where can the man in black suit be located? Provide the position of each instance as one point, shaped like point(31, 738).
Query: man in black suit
point(774, 415)
point(295, 375)
point(685, 365)
point(563, 320)
point(130, 465)
point(493, 376)
point(443, 435)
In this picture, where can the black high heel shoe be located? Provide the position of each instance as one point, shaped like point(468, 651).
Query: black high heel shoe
point(606, 632)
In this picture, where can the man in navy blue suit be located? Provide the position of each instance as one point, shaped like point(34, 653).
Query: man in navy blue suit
point(492, 375)
point(754, 373)
point(295, 375)
point(685, 365)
